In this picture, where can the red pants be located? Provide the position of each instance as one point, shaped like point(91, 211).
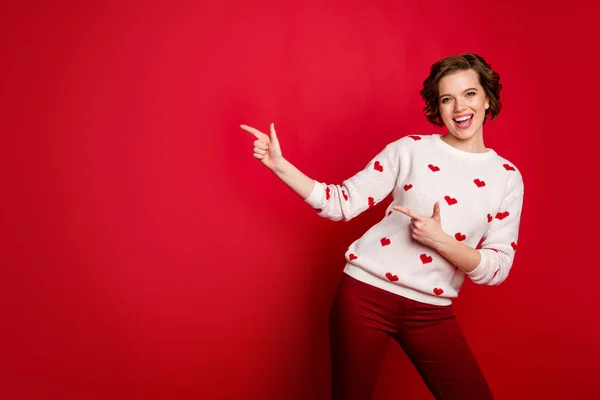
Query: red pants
point(362, 320)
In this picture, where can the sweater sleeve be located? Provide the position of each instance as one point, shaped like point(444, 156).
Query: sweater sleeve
point(356, 194)
point(499, 245)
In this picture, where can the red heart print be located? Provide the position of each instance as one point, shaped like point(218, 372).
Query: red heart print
point(502, 215)
point(433, 167)
point(352, 256)
point(460, 237)
point(391, 277)
point(378, 166)
point(385, 241)
point(425, 259)
point(479, 244)
point(371, 202)
point(450, 200)
point(415, 137)
point(479, 183)
point(345, 195)
point(327, 193)
point(438, 291)
point(508, 167)
point(514, 246)
point(490, 218)
point(407, 187)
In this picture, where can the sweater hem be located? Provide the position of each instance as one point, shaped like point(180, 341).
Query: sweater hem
point(365, 277)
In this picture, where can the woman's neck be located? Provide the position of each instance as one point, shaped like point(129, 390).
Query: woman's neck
point(473, 144)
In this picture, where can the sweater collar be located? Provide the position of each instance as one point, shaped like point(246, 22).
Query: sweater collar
point(437, 139)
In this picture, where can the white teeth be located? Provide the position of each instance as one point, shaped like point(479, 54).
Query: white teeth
point(463, 118)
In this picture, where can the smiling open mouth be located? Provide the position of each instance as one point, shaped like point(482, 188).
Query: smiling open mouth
point(463, 122)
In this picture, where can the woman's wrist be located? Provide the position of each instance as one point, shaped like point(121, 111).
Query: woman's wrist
point(279, 165)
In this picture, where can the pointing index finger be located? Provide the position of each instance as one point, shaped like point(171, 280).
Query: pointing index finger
point(407, 212)
point(259, 135)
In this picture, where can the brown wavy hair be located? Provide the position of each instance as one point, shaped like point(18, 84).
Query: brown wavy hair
point(488, 79)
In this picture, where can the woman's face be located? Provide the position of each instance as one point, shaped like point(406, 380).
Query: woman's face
point(462, 104)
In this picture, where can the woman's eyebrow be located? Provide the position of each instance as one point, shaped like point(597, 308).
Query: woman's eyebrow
point(442, 95)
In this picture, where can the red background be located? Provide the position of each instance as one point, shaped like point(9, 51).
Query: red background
point(145, 252)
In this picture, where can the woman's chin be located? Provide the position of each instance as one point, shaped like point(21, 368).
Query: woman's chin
point(463, 134)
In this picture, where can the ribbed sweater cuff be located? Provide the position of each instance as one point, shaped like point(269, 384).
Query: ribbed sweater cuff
point(314, 199)
point(480, 271)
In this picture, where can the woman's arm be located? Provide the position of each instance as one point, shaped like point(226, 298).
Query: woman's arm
point(490, 262)
point(293, 178)
point(428, 231)
point(335, 202)
point(462, 256)
point(268, 151)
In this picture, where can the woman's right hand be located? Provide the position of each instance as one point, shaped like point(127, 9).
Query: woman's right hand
point(266, 148)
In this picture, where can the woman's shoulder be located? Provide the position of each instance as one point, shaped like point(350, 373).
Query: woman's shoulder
point(413, 139)
point(505, 166)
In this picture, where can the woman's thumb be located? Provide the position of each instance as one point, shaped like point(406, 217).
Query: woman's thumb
point(436, 211)
point(272, 130)
point(273, 134)
point(274, 141)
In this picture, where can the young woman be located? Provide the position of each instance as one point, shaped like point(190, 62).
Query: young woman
point(455, 212)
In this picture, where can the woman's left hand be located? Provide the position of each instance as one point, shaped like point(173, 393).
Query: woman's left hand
point(426, 230)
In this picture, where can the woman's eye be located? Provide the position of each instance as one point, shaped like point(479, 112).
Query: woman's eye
point(471, 94)
point(444, 99)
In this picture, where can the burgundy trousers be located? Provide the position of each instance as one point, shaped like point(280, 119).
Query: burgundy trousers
point(363, 318)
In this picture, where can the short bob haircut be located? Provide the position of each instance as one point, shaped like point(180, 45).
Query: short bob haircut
point(488, 79)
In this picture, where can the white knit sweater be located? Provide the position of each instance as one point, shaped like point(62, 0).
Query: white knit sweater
point(480, 195)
